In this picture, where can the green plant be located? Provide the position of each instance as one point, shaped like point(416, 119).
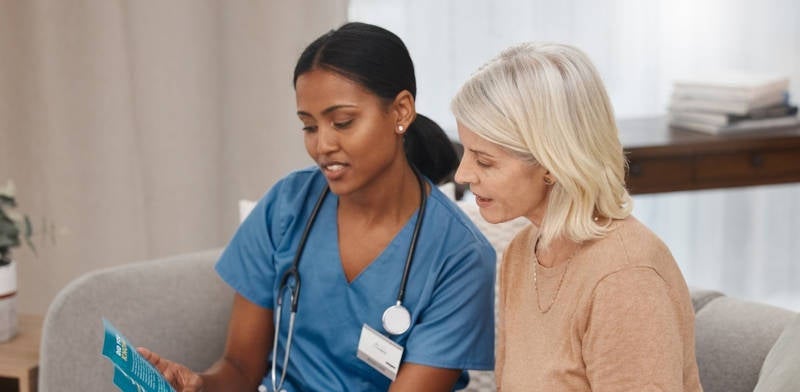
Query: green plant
point(12, 224)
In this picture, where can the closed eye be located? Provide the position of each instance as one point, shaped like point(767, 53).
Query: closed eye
point(342, 124)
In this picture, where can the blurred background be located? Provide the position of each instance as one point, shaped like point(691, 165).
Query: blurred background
point(131, 128)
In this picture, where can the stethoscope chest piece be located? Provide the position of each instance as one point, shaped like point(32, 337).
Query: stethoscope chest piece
point(396, 319)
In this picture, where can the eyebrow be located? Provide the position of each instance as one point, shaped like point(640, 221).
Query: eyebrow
point(478, 152)
point(326, 111)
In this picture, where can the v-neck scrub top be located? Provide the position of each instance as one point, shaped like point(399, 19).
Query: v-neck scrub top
point(450, 292)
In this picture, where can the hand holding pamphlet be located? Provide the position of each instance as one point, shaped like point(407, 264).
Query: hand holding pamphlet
point(132, 372)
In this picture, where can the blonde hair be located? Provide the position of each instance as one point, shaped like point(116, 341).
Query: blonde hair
point(546, 102)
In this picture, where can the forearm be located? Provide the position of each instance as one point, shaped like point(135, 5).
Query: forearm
point(420, 378)
point(226, 375)
point(243, 363)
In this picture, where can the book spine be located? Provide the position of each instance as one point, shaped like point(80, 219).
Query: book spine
point(767, 112)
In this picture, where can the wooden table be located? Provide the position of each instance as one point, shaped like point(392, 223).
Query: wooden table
point(19, 357)
point(665, 159)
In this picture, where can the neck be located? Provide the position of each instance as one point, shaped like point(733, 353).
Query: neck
point(561, 250)
point(393, 196)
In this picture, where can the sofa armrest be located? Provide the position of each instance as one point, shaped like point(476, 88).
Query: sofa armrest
point(733, 337)
point(176, 306)
point(701, 297)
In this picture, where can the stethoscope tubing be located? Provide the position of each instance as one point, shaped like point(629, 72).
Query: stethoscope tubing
point(293, 273)
point(412, 247)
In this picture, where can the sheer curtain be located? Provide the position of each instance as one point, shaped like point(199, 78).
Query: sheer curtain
point(745, 241)
point(132, 128)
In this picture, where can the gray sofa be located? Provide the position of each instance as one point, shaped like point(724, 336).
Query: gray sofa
point(178, 307)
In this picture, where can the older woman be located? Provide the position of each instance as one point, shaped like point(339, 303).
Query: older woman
point(590, 299)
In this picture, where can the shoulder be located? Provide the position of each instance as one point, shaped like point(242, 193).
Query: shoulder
point(639, 244)
point(631, 259)
point(629, 244)
point(289, 198)
point(292, 191)
point(450, 218)
point(459, 244)
point(297, 183)
point(629, 282)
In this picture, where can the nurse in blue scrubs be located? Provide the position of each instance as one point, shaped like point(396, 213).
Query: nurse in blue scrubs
point(372, 188)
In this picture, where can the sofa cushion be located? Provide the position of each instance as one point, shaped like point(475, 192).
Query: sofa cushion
point(732, 339)
point(781, 369)
point(176, 306)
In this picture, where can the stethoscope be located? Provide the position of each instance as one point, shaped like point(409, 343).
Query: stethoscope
point(396, 318)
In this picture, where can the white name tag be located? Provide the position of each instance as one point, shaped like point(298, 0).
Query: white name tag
point(379, 352)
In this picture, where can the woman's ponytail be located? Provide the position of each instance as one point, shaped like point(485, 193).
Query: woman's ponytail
point(430, 150)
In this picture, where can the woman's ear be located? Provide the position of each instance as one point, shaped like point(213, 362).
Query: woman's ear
point(404, 109)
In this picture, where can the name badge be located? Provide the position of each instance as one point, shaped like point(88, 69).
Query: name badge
point(379, 352)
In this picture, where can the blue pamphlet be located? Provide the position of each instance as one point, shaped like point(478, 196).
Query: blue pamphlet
point(132, 373)
point(124, 383)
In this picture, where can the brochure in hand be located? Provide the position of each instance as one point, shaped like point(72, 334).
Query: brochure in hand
point(132, 372)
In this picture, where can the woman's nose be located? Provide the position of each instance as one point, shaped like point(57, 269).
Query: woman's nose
point(463, 174)
point(327, 140)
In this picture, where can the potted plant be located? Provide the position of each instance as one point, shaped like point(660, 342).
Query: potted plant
point(13, 227)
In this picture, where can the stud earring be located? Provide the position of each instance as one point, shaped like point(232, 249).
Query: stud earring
point(548, 181)
point(400, 129)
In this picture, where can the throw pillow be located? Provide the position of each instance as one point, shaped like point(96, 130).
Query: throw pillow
point(781, 369)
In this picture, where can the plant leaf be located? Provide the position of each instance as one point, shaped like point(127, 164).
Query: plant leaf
point(7, 191)
point(28, 233)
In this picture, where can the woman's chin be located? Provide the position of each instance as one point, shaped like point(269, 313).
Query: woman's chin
point(490, 216)
point(495, 217)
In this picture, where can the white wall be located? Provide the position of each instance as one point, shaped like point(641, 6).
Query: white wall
point(639, 47)
point(132, 128)
point(744, 241)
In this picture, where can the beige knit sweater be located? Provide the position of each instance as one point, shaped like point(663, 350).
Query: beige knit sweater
point(622, 320)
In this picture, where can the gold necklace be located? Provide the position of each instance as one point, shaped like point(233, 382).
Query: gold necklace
point(560, 280)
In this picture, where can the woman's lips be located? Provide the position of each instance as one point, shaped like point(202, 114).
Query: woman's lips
point(334, 171)
point(482, 202)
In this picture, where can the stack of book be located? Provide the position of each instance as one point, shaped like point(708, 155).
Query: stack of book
point(732, 102)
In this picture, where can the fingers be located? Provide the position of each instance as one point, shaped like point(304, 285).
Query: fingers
point(192, 382)
point(145, 352)
point(178, 376)
point(170, 370)
point(156, 360)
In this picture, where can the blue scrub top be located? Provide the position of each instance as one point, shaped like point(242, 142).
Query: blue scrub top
point(450, 291)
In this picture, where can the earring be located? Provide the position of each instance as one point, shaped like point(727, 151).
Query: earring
point(400, 129)
point(548, 181)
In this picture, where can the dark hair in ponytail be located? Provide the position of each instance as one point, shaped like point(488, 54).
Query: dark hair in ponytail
point(379, 61)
